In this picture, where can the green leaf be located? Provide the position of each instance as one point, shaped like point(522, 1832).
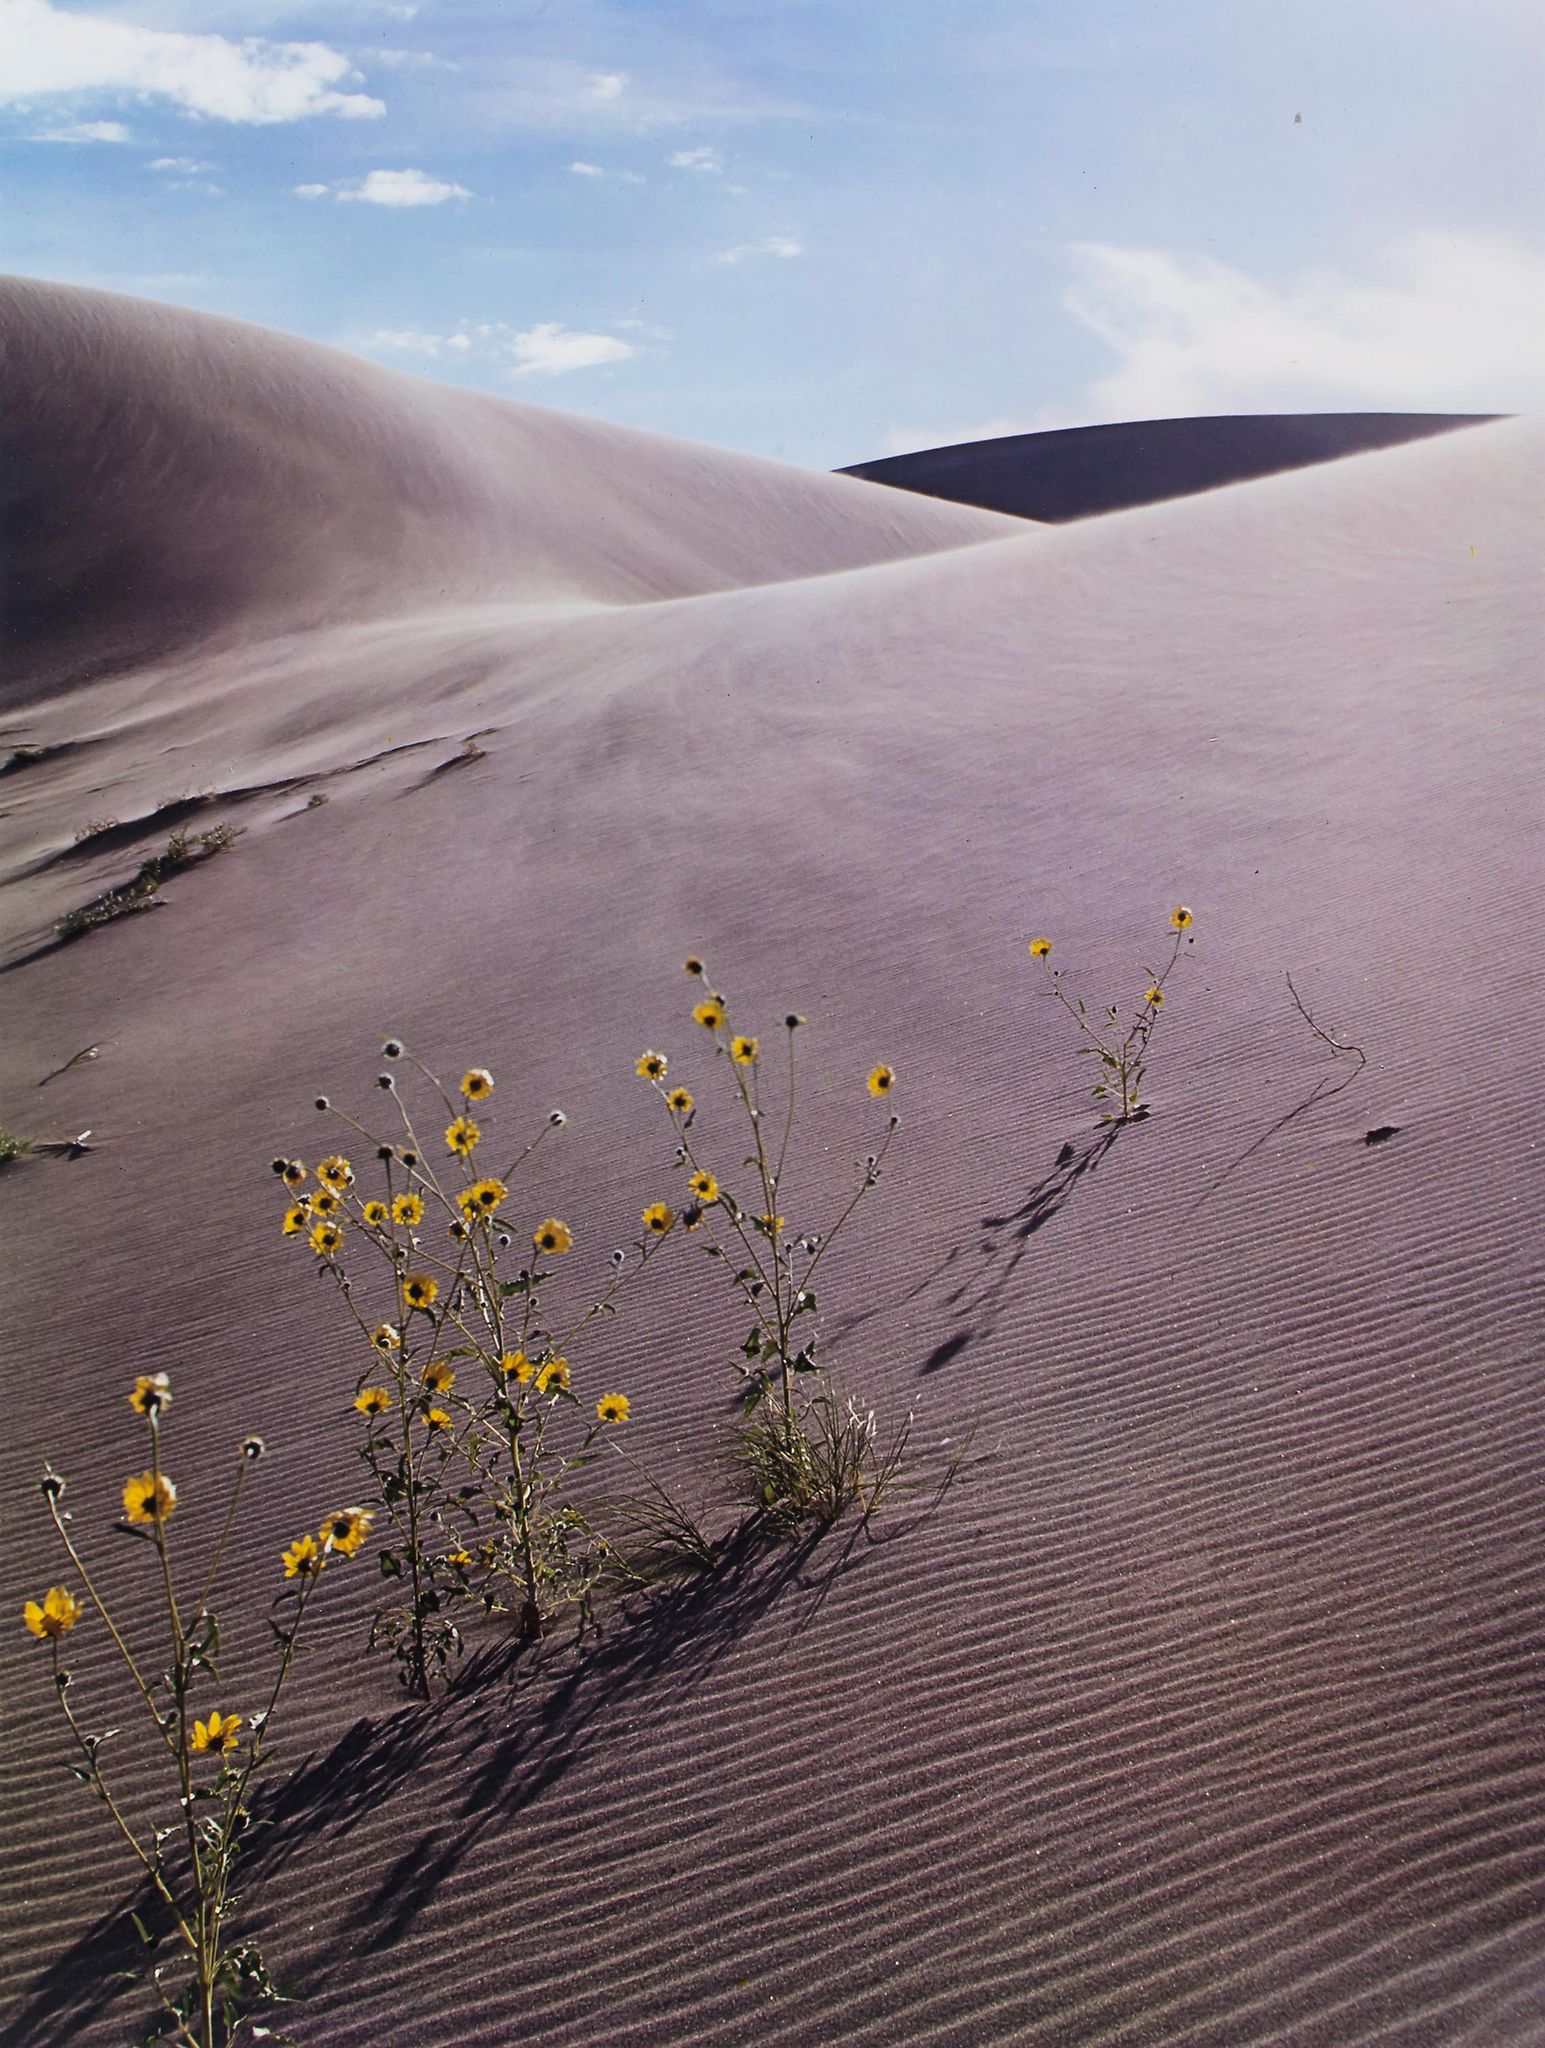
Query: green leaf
point(753, 1344)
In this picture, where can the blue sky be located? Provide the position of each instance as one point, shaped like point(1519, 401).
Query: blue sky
point(817, 229)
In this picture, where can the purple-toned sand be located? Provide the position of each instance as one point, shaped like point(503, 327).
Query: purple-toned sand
point(1203, 1706)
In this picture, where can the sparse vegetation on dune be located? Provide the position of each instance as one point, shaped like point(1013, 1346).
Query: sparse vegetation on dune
point(183, 850)
point(1120, 1043)
point(802, 1450)
point(213, 1748)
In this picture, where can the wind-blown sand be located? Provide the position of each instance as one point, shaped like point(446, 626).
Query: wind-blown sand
point(1203, 1706)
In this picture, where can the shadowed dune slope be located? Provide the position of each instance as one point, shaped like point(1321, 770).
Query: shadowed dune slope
point(1203, 1707)
point(1076, 472)
point(166, 476)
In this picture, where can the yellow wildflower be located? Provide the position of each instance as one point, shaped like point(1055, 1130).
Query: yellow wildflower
point(516, 1365)
point(462, 1135)
point(152, 1394)
point(704, 1186)
point(462, 1559)
point(658, 1218)
point(325, 1203)
point(303, 1559)
point(336, 1172)
point(612, 1408)
point(482, 1198)
point(651, 1065)
point(476, 1083)
point(346, 1531)
point(292, 1173)
point(552, 1236)
point(743, 1051)
point(1154, 997)
point(377, 1215)
point(325, 1240)
point(296, 1219)
point(420, 1291)
point(218, 1732)
point(1040, 948)
point(710, 1014)
point(408, 1209)
point(436, 1419)
point(1180, 917)
point(881, 1080)
point(554, 1374)
point(148, 1498)
point(439, 1377)
point(56, 1615)
point(679, 1100)
point(373, 1400)
point(385, 1337)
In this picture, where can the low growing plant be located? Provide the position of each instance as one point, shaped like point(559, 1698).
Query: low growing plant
point(1120, 1043)
point(182, 850)
point(214, 1753)
point(802, 1449)
point(474, 1480)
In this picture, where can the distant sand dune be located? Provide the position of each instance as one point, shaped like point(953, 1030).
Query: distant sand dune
point(1203, 1708)
point(1067, 473)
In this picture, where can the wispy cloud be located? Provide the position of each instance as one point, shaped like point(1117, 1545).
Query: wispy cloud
point(770, 245)
point(584, 170)
point(905, 440)
point(389, 188)
point(549, 349)
point(552, 350)
point(1440, 322)
point(44, 50)
point(189, 166)
point(83, 131)
point(607, 85)
point(700, 159)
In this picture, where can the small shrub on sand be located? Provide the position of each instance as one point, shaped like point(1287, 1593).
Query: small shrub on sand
point(215, 1747)
point(802, 1450)
point(473, 1414)
point(12, 1147)
point(182, 850)
point(1120, 1044)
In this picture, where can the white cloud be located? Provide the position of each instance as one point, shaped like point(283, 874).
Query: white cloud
point(44, 49)
point(411, 60)
point(770, 245)
point(912, 440)
point(701, 159)
point(584, 170)
point(607, 85)
point(552, 350)
point(548, 349)
point(189, 166)
point(83, 131)
point(414, 341)
point(390, 188)
point(1437, 322)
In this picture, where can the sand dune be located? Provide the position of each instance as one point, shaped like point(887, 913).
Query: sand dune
point(168, 476)
point(1077, 472)
point(1201, 1709)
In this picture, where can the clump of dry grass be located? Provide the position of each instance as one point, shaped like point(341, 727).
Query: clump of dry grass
point(183, 850)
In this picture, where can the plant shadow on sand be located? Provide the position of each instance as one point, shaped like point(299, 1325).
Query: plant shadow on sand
point(976, 1296)
point(516, 1720)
